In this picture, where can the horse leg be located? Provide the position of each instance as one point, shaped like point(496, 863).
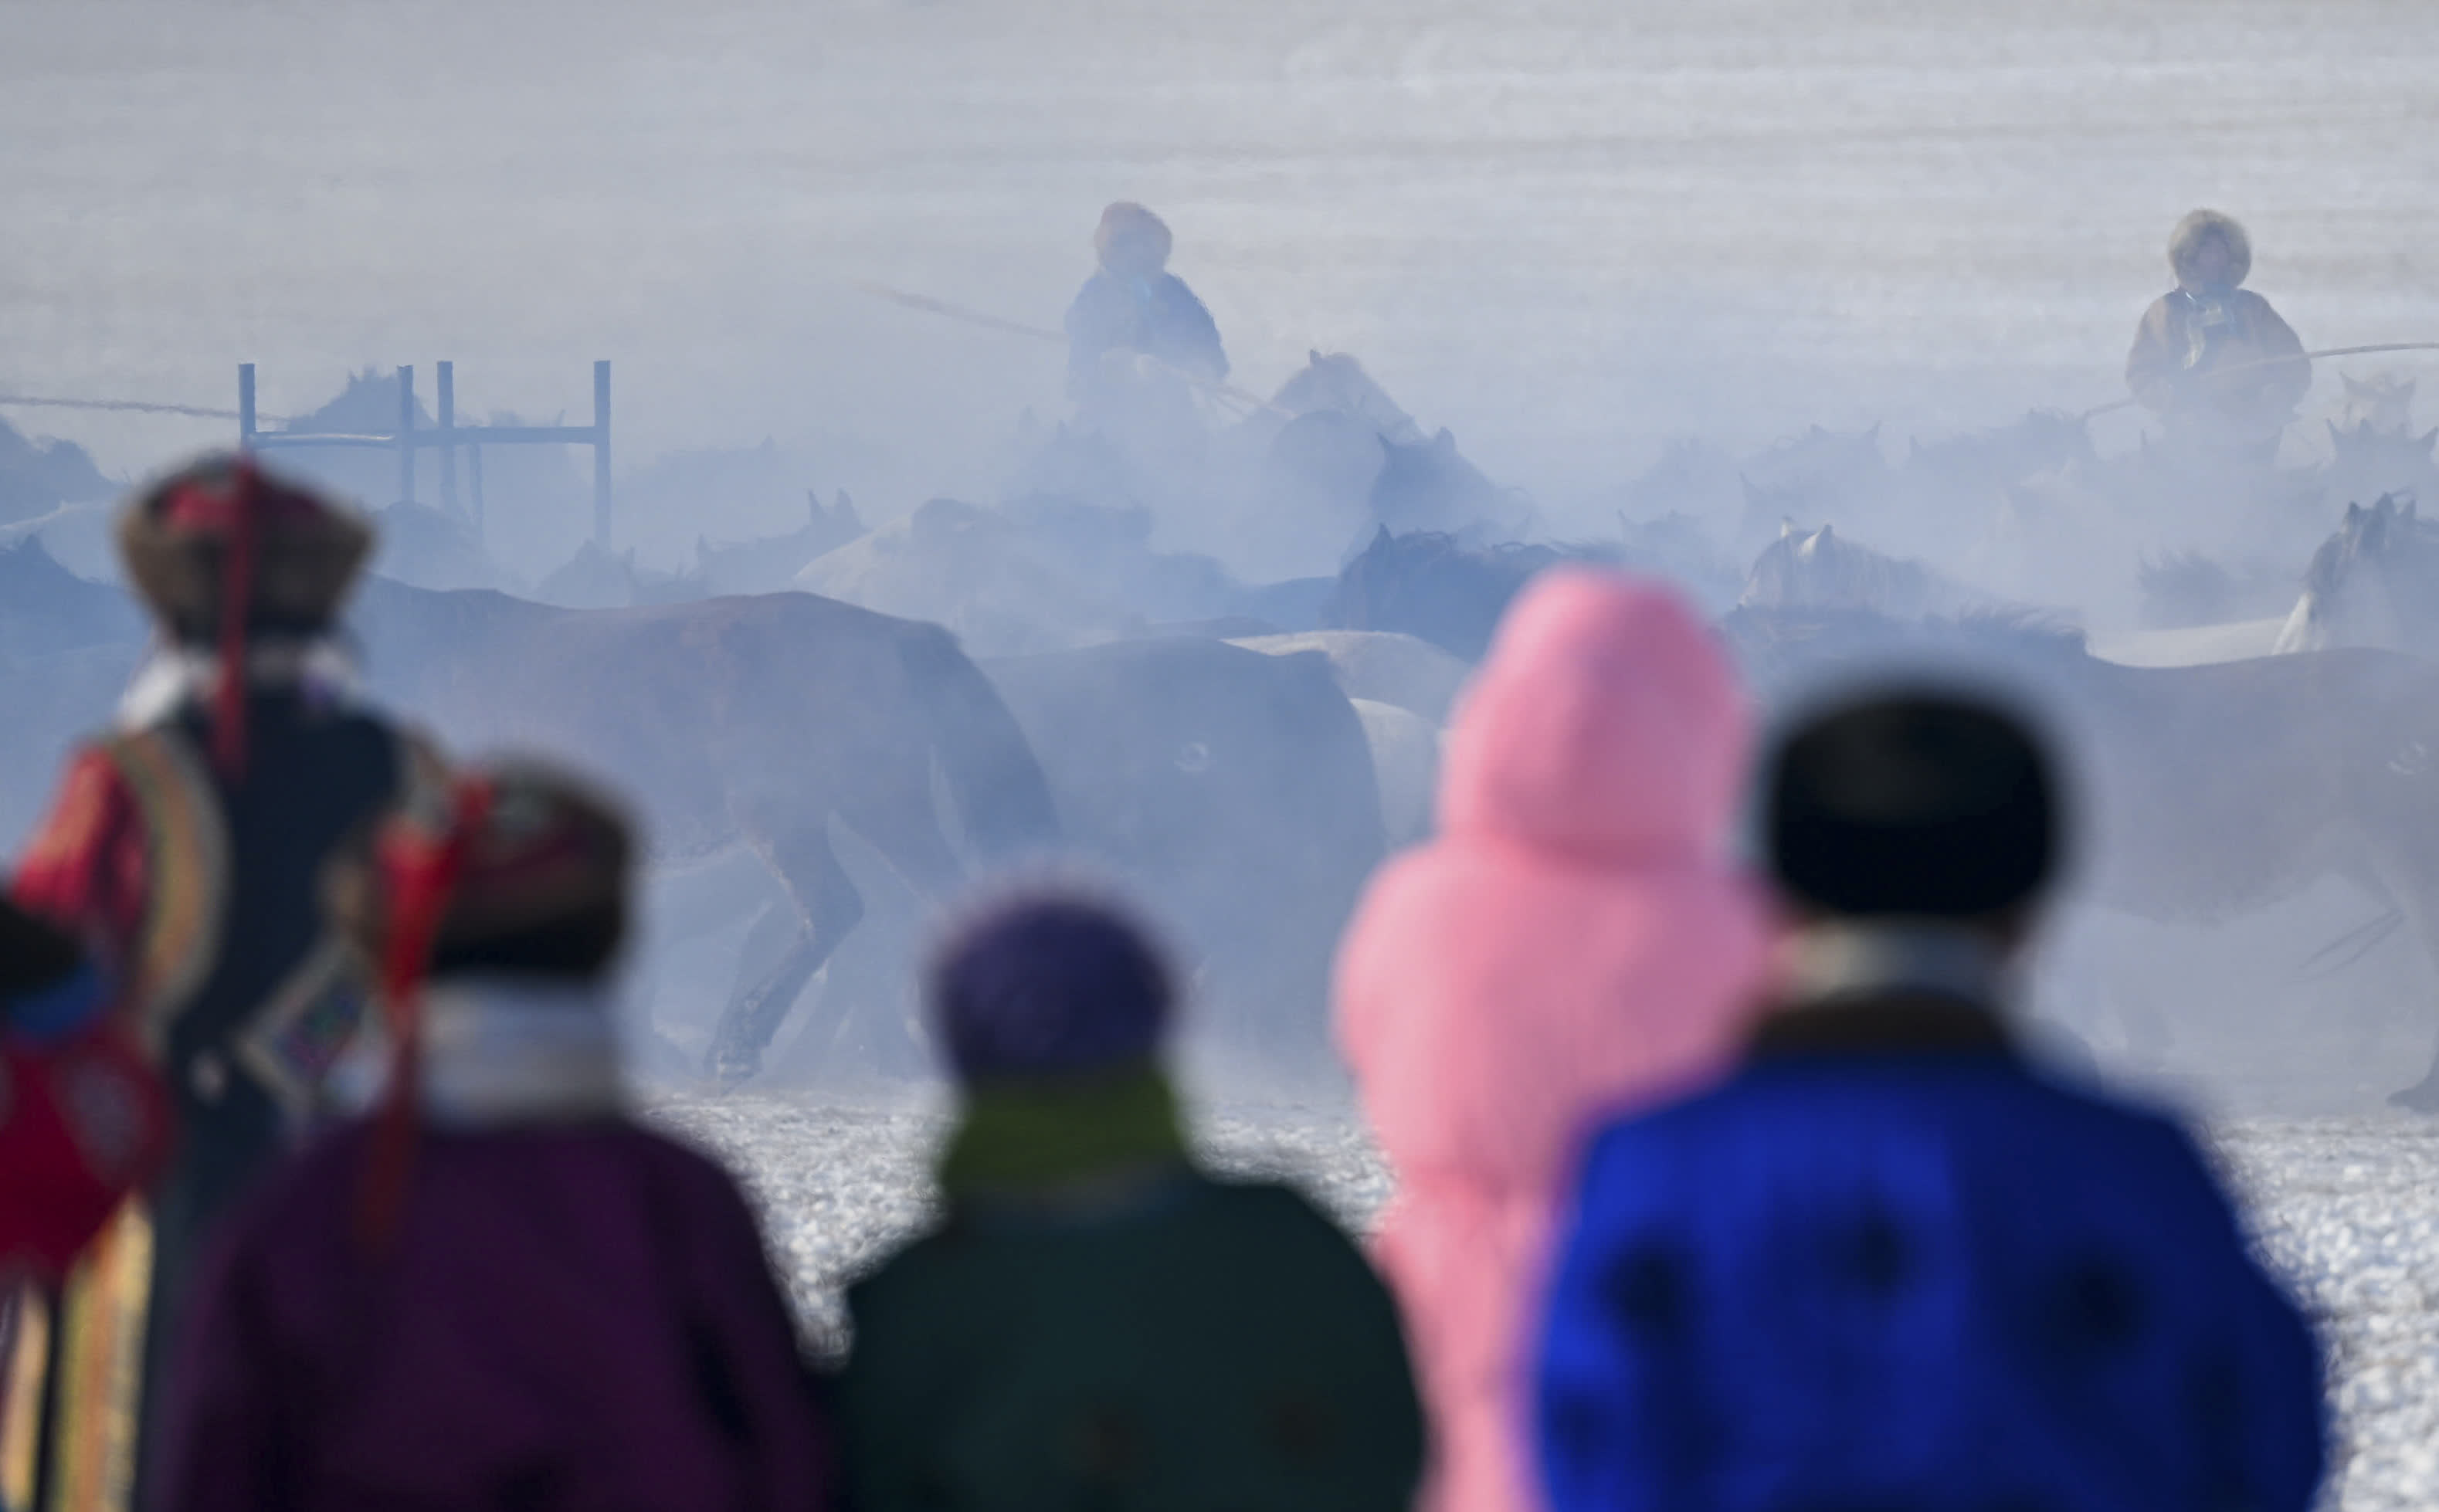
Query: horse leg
point(904, 830)
point(826, 906)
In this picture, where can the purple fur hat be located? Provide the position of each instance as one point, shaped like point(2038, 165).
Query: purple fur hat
point(1047, 985)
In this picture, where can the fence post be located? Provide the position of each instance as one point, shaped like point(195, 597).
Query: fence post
point(601, 455)
point(244, 407)
point(474, 478)
point(448, 406)
point(407, 435)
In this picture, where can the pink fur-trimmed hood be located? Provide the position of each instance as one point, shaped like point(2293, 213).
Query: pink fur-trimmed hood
point(1606, 726)
point(1574, 944)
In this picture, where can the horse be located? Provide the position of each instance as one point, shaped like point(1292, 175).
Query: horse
point(1819, 473)
point(768, 565)
point(1379, 666)
point(2366, 459)
point(1429, 584)
point(1821, 570)
point(2370, 583)
point(2209, 792)
point(2038, 442)
point(2382, 403)
point(2188, 590)
point(1337, 383)
point(1331, 437)
point(1235, 793)
point(751, 721)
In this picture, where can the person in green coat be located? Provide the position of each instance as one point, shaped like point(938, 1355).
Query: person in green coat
point(1096, 1324)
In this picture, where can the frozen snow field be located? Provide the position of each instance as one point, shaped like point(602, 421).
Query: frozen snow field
point(2347, 1208)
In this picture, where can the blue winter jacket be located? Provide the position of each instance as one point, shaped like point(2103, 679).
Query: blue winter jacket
point(1863, 1274)
point(1158, 315)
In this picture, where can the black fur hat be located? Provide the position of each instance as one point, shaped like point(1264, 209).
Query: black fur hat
point(1918, 803)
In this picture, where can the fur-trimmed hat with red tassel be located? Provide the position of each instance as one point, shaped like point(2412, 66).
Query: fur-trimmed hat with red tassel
point(222, 551)
point(523, 893)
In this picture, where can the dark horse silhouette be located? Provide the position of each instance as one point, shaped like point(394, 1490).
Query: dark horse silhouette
point(2209, 792)
point(1433, 585)
point(752, 720)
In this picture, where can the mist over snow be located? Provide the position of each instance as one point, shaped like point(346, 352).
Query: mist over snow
point(1565, 230)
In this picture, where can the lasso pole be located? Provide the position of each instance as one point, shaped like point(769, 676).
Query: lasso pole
point(132, 406)
point(1017, 328)
point(2215, 374)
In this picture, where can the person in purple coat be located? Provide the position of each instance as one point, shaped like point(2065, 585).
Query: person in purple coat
point(496, 1290)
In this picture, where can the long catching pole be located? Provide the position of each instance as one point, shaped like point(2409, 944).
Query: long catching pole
point(959, 312)
point(2215, 374)
point(970, 316)
point(131, 406)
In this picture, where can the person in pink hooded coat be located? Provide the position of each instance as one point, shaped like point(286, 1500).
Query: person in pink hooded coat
point(1575, 942)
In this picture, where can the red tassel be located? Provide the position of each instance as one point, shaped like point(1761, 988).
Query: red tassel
point(420, 875)
point(237, 590)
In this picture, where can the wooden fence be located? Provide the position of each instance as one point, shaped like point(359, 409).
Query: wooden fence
point(448, 437)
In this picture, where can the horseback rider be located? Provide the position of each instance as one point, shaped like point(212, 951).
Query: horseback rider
point(1134, 324)
point(2211, 359)
point(186, 848)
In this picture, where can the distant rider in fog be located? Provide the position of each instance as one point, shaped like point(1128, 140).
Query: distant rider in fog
point(2217, 366)
point(1136, 336)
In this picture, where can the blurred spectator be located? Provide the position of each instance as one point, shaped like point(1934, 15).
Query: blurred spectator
point(1098, 1323)
point(497, 1292)
point(1887, 1264)
point(184, 847)
point(1574, 941)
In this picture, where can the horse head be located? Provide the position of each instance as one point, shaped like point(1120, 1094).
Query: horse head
point(2384, 404)
point(2365, 458)
point(2367, 583)
point(1429, 486)
point(1430, 584)
point(1337, 382)
point(1795, 571)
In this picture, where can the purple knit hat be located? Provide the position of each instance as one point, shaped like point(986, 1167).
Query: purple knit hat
point(1047, 985)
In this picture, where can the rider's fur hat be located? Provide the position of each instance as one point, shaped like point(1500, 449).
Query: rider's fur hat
point(1924, 803)
point(2187, 240)
point(181, 537)
point(1125, 218)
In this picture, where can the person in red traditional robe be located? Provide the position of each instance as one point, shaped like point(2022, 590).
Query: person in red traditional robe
point(184, 848)
point(496, 1290)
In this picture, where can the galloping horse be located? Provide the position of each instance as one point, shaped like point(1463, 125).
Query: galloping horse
point(751, 721)
point(1821, 570)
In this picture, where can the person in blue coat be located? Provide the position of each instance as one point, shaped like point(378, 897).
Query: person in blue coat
point(1134, 324)
point(1886, 1263)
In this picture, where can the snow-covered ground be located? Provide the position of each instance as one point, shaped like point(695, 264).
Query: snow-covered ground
point(2348, 1207)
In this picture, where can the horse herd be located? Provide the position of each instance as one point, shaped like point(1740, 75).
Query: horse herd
point(818, 776)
